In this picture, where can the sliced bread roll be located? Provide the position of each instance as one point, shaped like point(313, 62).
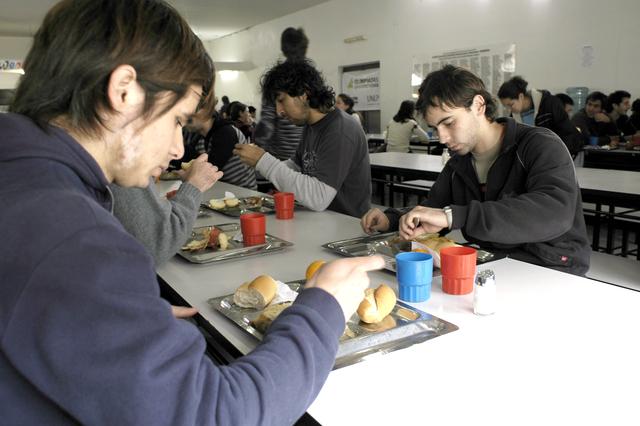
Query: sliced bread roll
point(377, 304)
point(256, 294)
point(269, 315)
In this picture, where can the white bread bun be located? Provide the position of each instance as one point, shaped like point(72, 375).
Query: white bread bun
point(377, 304)
point(257, 294)
point(216, 204)
point(231, 202)
point(268, 316)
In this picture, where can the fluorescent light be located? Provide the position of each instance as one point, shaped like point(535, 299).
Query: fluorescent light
point(228, 75)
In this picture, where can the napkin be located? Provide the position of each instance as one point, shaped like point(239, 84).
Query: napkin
point(229, 195)
point(283, 294)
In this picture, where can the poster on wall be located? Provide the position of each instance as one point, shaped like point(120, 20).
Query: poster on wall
point(494, 64)
point(11, 65)
point(364, 87)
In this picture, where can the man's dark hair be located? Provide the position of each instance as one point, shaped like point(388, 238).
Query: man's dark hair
point(81, 42)
point(453, 87)
point(235, 109)
point(566, 99)
point(296, 78)
point(252, 109)
point(512, 88)
point(616, 98)
point(635, 106)
point(405, 112)
point(597, 96)
point(294, 44)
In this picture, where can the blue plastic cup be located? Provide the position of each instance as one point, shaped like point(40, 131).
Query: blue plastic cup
point(414, 272)
point(593, 140)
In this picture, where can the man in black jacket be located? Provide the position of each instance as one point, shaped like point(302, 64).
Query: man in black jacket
point(508, 187)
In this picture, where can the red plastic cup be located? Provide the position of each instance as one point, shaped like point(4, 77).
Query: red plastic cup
point(458, 268)
point(253, 228)
point(284, 204)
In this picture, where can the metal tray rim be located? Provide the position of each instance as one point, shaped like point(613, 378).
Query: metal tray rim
point(226, 255)
point(424, 321)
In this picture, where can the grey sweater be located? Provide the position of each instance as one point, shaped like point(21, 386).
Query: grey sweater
point(161, 226)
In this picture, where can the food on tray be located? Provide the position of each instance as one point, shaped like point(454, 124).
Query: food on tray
point(267, 316)
point(434, 242)
point(377, 304)
point(231, 202)
point(253, 202)
point(256, 294)
point(387, 323)
point(185, 166)
point(173, 175)
point(313, 268)
point(217, 204)
point(210, 237)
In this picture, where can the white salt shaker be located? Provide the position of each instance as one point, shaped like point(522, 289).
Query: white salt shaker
point(484, 293)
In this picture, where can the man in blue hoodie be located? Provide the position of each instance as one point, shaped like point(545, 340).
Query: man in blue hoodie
point(84, 336)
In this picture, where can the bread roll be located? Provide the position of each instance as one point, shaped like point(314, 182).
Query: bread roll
point(377, 304)
point(438, 243)
point(269, 315)
point(231, 202)
point(257, 294)
point(186, 166)
point(217, 204)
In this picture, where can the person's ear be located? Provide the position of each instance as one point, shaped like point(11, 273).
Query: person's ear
point(124, 93)
point(479, 104)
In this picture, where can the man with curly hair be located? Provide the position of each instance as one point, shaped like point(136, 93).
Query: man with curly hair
point(330, 169)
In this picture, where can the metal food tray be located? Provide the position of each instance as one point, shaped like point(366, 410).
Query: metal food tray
point(387, 245)
point(236, 249)
point(403, 327)
point(267, 206)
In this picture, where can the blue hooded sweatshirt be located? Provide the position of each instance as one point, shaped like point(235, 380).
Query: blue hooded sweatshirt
point(84, 335)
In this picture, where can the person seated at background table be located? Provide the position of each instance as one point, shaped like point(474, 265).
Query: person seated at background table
point(567, 102)
point(634, 120)
point(240, 117)
point(217, 137)
point(402, 127)
point(508, 187)
point(275, 134)
point(591, 121)
point(164, 224)
point(85, 337)
point(617, 106)
point(330, 169)
point(224, 108)
point(346, 103)
point(539, 108)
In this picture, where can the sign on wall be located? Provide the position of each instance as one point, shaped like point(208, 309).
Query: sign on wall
point(364, 87)
point(11, 65)
point(494, 64)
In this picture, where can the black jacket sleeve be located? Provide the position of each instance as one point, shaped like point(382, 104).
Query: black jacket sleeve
point(221, 145)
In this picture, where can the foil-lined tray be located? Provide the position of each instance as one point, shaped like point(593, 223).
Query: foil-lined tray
point(403, 327)
point(387, 245)
point(236, 249)
point(256, 204)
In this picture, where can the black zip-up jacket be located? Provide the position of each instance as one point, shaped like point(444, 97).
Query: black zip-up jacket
point(532, 207)
point(551, 114)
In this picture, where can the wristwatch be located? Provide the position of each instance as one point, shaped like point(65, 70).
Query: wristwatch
point(449, 213)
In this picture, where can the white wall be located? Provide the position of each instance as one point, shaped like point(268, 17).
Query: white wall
point(549, 36)
point(12, 48)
